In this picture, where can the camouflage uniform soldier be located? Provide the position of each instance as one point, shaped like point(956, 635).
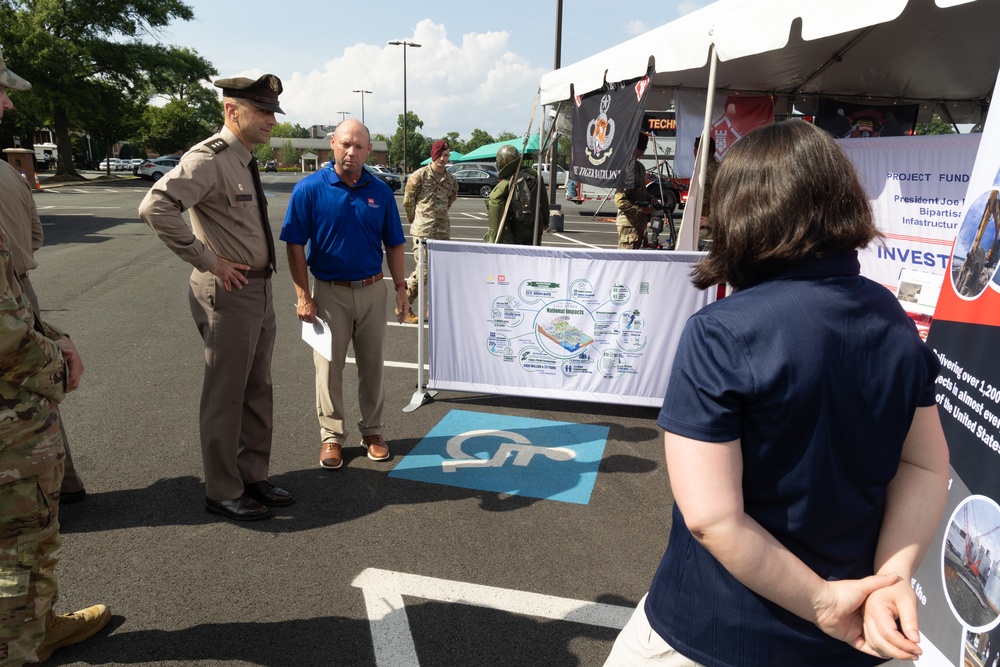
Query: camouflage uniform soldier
point(38, 367)
point(633, 218)
point(430, 192)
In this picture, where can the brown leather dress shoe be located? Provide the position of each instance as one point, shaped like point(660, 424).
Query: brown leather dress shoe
point(331, 456)
point(268, 494)
point(377, 449)
point(243, 508)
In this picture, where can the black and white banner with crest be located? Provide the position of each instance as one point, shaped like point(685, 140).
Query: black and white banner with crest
point(606, 124)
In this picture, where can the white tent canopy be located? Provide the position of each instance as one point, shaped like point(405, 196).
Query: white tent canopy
point(942, 54)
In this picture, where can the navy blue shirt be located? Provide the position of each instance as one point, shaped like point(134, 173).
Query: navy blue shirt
point(344, 227)
point(818, 373)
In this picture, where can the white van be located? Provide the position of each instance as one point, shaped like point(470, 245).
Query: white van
point(560, 174)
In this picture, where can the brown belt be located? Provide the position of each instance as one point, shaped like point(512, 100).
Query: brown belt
point(258, 273)
point(356, 284)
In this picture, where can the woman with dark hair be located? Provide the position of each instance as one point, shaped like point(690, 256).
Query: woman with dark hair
point(803, 444)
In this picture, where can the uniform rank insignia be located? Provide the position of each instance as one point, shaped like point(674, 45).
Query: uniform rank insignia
point(217, 145)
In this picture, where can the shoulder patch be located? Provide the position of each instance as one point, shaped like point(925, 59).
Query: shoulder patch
point(217, 145)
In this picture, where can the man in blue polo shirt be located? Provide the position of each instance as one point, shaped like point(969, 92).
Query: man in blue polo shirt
point(346, 216)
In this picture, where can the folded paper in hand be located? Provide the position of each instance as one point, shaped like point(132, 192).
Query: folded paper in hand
point(318, 335)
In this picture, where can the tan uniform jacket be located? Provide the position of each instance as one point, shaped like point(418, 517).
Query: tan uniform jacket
point(629, 212)
point(218, 189)
point(427, 198)
point(19, 218)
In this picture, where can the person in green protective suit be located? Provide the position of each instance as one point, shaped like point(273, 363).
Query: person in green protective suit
point(521, 186)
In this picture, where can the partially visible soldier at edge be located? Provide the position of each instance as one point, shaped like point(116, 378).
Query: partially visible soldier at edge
point(430, 192)
point(231, 249)
point(39, 365)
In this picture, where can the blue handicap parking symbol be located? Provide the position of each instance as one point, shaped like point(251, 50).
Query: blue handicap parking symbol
point(514, 455)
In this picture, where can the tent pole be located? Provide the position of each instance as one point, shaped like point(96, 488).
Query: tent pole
point(421, 396)
point(687, 237)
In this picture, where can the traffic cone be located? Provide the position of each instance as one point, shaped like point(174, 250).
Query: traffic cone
point(38, 186)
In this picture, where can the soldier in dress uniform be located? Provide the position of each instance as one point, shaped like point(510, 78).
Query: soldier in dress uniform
point(39, 365)
point(231, 247)
point(430, 192)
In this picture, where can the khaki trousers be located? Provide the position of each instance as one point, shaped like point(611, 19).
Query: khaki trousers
point(639, 645)
point(72, 482)
point(355, 316)
point(238, 328)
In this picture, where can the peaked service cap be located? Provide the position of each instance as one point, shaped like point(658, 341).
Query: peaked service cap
point(10, 80)
point(261, 93)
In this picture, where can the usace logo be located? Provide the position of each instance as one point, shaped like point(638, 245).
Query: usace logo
point(600, 134)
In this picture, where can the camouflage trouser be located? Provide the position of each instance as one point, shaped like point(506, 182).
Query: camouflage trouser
point(630, 237)
point(29, 549)
point(413, 282)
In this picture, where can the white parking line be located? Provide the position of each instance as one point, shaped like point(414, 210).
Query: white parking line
point(391, 635)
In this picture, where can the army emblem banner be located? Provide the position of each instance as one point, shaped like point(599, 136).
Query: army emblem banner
point(606, 124)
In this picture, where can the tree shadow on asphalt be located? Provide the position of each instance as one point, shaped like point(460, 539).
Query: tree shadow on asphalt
point(443, 634)
point(323, 497)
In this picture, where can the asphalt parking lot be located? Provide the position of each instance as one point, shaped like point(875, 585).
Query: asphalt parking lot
point(365, 569)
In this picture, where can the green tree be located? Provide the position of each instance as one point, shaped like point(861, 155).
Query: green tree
point(111, 118)
point(455, 142)
point(506, 136)
point(936, 126)
point(288, 130)
point(289, 154)
point(479, 138)
point(417, 145)
point(263, 153)
point(64, 47)
point(192, 111)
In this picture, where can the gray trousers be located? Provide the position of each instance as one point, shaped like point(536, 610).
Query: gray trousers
point(238, 328)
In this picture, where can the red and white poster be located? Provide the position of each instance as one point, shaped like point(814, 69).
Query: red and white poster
point(732, 117)
point(742, 114)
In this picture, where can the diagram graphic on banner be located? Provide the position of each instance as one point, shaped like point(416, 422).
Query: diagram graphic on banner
point(597, 325)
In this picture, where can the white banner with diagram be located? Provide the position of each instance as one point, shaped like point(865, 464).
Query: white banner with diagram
point(587, 325)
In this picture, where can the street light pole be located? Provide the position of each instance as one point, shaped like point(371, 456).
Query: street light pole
point(406, 122)
point(363, 103)
point(343, 115)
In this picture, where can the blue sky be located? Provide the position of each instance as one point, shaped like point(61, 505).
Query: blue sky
point(478, 67)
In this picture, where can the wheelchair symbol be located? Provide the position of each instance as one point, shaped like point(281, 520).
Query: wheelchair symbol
point(520, 447)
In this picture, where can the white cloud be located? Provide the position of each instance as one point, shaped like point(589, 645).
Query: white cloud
point(477, 83)
point(636, 28)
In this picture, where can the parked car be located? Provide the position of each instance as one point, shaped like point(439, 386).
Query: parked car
point(455, 167)
point(153, 170)
point(389, 179)
point(476, 181)
point(116, 164)
point(134, 165)
point(561, 174)
point(270, 166)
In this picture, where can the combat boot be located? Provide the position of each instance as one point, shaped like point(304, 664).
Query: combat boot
point(68, 629)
